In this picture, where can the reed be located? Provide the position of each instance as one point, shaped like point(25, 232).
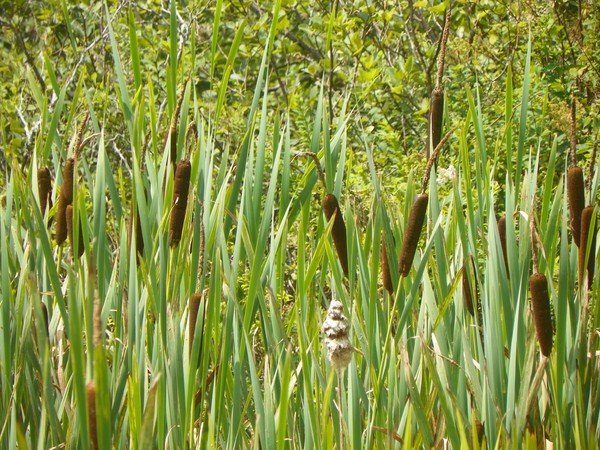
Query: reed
point(331, 208)
point(416, 219)
point(180, 199)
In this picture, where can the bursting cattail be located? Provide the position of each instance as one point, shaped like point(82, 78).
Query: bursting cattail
point(69, 218)
point(416, 218)
point(586, 231)
point(195, 300)
point(576, 195)
point(44, 188)
point(331, 207)
point(467, 276)
point(436, 113)
point(336, 328)
point(538, 286)
point(502, 235)
point(65, 198)
point(90, 390)
point(180, 198)
point(386, 276)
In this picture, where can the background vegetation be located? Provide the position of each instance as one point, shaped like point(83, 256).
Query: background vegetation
point(258, 84)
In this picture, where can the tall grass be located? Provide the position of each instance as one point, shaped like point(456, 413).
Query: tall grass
point(257, 254)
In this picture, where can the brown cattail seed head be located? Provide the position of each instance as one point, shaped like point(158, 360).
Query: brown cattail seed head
point(386, 276)
point(195, 300)
point(336, 328)
point(44, 188)
point(90, 390)
point(467, 276)
point(46, 320)
point(139, 238)
point(576, 195)
point(69, 218)
point(180, 198)
point(416, 218)
point(538, 286)
point(435, 118)
point(585, 234)
point(65, 198)
point(502, 235)
point(331, 207)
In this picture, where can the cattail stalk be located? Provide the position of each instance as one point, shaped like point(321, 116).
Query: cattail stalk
point(65, 198)
point(139, 237)
point(180, 199)
point(502, 236)
point(576, 197)
point(69, 217)
point(44, 188)
point(467, 276)
point(331, 208)
point(416, 219)
point(195, 300)
point(90, 389)
point(538, 286)
point(586, 234)
point(436, 113)
point(172, 134)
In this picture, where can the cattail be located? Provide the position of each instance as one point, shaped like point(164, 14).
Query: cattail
point(331, 207)
point(65, 198)
point(69, 217)
point(44, 188)
point(576, 194)
point(538, 286)
point(139, 238)
point(468, 274)
point(416, 218)
point(336, 328)
point(46, 320)
point(90, 390)
point(436, 113)
point(480, 429)
point(586, 224)
point(195, 300)
point(180, 198)
point(502, 235)
point(386, 276)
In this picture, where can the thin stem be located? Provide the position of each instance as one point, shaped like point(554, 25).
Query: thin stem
point(573, 131)
point(433, 158)
point(340, 409)
point(317, 164)
point(440, 66)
